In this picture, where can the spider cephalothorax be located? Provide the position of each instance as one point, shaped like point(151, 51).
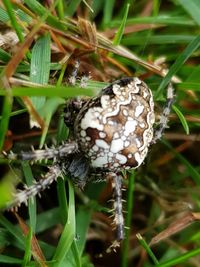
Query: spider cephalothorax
point(111, 132)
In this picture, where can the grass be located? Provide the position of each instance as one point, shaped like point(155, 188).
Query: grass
point(157, 41)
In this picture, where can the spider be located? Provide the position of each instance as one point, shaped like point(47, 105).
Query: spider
point(112, 132)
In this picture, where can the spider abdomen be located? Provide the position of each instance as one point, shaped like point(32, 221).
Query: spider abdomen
point(114, 129)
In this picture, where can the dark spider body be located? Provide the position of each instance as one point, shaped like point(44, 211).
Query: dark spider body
point(111, 132)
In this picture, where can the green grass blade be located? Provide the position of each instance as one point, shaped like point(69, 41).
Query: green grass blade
point(83, 218)
point(170, 39)
point(68, 233)
point(28, 252)
point(147, 248)
point(189, 50)
point(7, 189)
point(4, 56)
point(12, 230)
point(32, 201)
point(107, 12)
point(5, 115)
point(47, 112)
point(119, 34)
point(62, 198)
point(192, 7)
point(63, 214)
point(76, 254)
point(10, 260)
point(49, 91)
point(72, 7)
point(3, 15)
point(160, 19)
point(182, 119)
point(60, 9)
point(45, 14)
point(40, 66)
point(13, 19)
point(181, 259)
point(40, 61)
point(195, 86)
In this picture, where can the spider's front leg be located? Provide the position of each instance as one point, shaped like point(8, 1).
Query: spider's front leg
point(165, 114)
point(59, 154)
point(61, 151)
point(23, 196)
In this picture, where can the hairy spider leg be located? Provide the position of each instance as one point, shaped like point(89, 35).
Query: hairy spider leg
point(61, 151)
point(165, 114)
point(54, 172)
point(23, 196)
point(117, 206)
point(73, 77)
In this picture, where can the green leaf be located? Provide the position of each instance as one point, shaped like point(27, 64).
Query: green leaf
point(10, 260)
point(189, 50)
point(27, 254)
point(195, 86)
point(13, 230)
point(72, 7)
point(40, 60)
point(169, 39)
point(119, 34)
point(31, 202)
point(147, 248)
point(13, 19)
point(50, 91)
point(7, 189)
point(182, 119)
point(46, 112)
point(40, 10)
point(107, 12)
point(3, 15)
point(68, 233)
point(4, 56)
point(192, 7)
point(160, 19)
point(40, 66)
point(83, 218)
point(5, 115)
point(180, 259)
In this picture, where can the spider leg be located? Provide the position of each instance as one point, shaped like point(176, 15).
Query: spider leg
point(118, 208)
point(47, 153)
point(35, 189)
point(73, 77)
point(165, 114)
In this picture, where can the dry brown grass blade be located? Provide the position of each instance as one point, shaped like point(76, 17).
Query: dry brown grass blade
point(10, 68)
point(35, 116)
point(169, 155)
point(19, 55)
point(122, 51)
point(57, 42)
point(178, 224)
point(36, 250)
point(98, 40)
point(88, 31)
